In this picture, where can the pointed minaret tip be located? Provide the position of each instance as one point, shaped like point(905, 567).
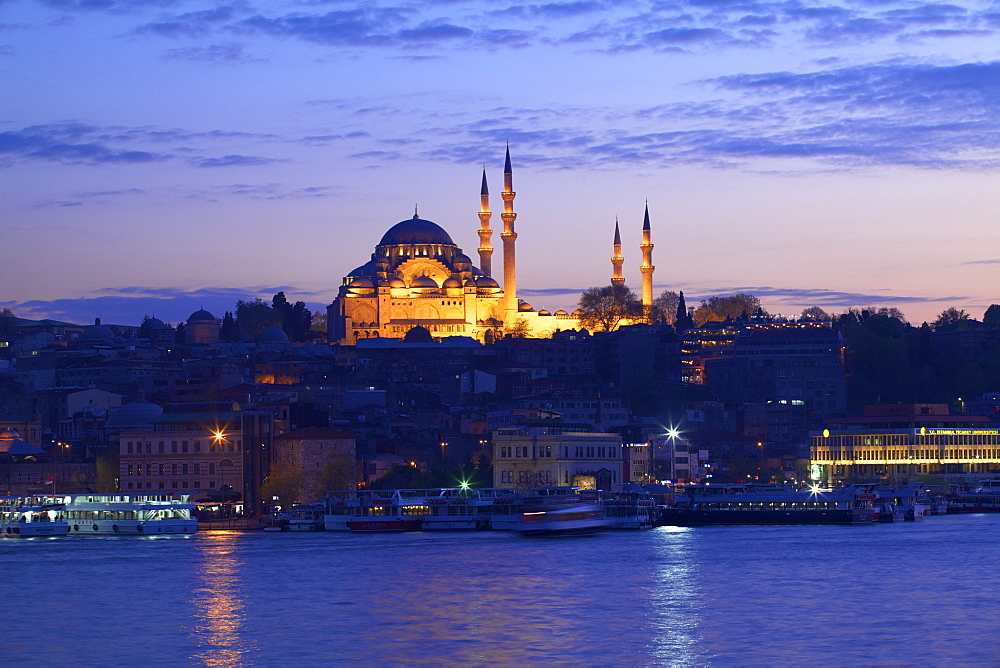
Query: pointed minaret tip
point(618, 236)
point(506, 163)
point(485, 190)
point(645, 222)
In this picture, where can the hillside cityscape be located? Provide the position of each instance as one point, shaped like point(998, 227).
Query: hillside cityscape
point(258, 407)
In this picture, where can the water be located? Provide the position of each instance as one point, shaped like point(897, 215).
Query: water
point(902, 594)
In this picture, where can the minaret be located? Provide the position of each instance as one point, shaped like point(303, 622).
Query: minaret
point(485, 233)
point(617, 260)
point(509, 237)
point(647, 268)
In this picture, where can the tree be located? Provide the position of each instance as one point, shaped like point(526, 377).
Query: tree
point(339, 472)
point(318, 325)
point(605, 308)
point(683, 320)
point(815, 314)
point(665, 307)
point(253, 317)
point(180, 335)
point(145, 328)
point(228, 330)
point(950, 320)
point(284, 482)
point(519, 330)
point(992, 316)
point(730, 307)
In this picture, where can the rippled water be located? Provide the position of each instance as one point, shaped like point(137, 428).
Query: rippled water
point(902, 594)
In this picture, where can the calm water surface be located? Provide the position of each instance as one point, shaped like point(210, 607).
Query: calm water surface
point(922, 593)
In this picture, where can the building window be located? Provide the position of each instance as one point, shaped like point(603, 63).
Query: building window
point(197, 446)
point(173, 446)
point(161, 446)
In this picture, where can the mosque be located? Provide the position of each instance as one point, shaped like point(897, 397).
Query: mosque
point(419, 277)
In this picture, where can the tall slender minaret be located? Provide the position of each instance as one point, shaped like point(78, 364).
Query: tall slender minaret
point(647, 268)
point(617, 260)
point(485, 233)
point(509, 236)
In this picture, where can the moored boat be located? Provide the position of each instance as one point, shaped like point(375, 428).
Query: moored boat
point(699, 505)
point(26, 517)
point(389, 511)
point(129, 514)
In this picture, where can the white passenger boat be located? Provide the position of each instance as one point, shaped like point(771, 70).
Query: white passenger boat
point(129, 514)
point(339, 507)
point(28, 516)
point(306, 517)
point(460, 509)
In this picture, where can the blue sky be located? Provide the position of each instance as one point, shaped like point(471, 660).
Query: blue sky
point(159, 156)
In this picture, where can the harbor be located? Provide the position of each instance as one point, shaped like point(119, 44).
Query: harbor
point(546, 510)
point(714, 595)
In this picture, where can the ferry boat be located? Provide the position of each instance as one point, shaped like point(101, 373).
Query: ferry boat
point(985, 499)
point(389, 511)
point(300, 517)
point(627, 509)
point(339, 507)
point(29, 516)
point(129, 514)
point(699, 505)
point(567, 519)
point(508, 506)
point(460, 509)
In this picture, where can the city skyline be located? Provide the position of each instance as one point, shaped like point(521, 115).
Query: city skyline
point(167, 156)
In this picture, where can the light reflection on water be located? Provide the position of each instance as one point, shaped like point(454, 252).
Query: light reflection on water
point(901, 594)
point(220, 610)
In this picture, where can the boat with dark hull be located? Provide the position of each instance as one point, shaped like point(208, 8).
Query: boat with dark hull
point(702, 505)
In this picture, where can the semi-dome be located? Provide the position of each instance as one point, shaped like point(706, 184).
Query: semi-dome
point(416, 231)
point(201, 315)
point(423, 282)
point(486, 282)
point(363, 270)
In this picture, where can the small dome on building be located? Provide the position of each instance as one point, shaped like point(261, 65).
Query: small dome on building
point(97, 333)
point(451, 282)
point(201, 316)
point(562, 314)
point(364, 270)
point(397, 282)
point(416, 231)
point(11, 444)
point(524, 306)
point(418, 334)
point(274, 336)
point(487, 282)
point(544, 312)
point(579, 313)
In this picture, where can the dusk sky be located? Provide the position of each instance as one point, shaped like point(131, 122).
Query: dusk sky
point(160, 156)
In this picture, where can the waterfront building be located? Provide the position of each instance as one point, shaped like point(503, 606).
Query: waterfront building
point(899, 441)
point(522, 460)
point(199, 449)
point(308, 451)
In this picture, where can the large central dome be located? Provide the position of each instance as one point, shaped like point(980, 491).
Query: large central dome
point(416, 231)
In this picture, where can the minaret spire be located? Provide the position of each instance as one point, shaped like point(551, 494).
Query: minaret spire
point(647, 267)
point(509, 236)
point(485, 233)
point(616, 259)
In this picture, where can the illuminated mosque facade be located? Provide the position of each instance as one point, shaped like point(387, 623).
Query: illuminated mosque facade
point(419, 277)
